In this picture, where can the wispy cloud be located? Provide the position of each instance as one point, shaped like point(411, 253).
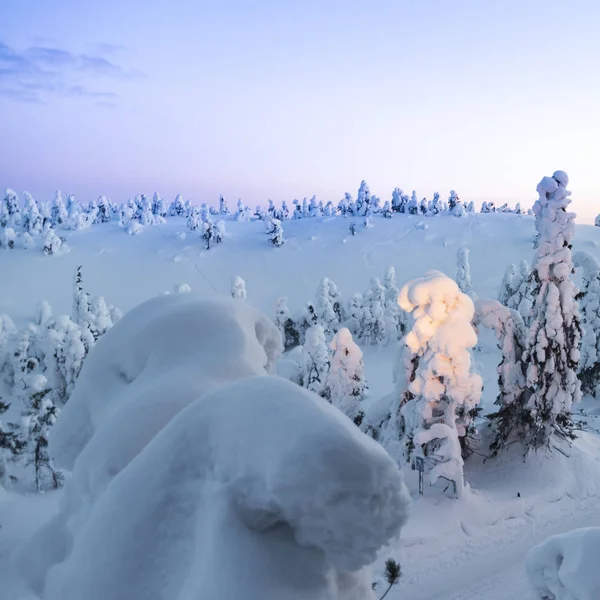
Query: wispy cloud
point(40, 72)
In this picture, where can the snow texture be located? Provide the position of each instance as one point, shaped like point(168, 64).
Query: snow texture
point(564, 567)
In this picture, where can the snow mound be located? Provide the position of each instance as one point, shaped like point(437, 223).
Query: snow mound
point(259, 489)
point(564, 567)
point(159, 358)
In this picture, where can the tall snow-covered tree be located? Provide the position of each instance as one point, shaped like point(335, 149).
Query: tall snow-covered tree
point(413, 204)
point(223, 208)
point(31, 219)
point(159, 208)
point(104, 212)
point(346, 377)
point(455, 205)
point(286, 325)
point(59, 210)
point(177, 208)
point(510, 333)
point(10, 213)
point(589, 302)
point(238, 288)
point(437, 395)
point(463, 270)
point(276, 237)
point(326, 315)
point(373, 328)
point(386, 211)
point(355, 314)
point(509, 286)
point(553, 345)
point(315, 361)
point(363, 199)
point(395, 317)
point(397, 200)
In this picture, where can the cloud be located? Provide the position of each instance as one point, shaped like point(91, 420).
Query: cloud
point(42, 71)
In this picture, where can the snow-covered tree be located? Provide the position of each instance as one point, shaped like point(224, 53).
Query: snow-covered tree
point(223, 208)
point(395, 317)
point(553, 346)
point(144, 213)
point(9, 236)
point(437, 395)
point(413, 204)
point(597, 221)
point(177, 208)
point(315, 361)
point(10, 213)
point(509, 286)
point(326, 315)
point(59, 210)
point(31, 219)
point(238, 288)
point(397, 200)
point(194, 221)
point(81, 312)
point(286, 325)
point(276, 237)
point(589, 302)
point(314, 209)
point(355, 314)
point(363, 199)
point(284, 213)
point(522, 299)
point(387, 210)
point(510, 333)
point(455, 206)
point(12, 445)
point(463, 270)
point(352, 228)
point(346, 378)
point(104, 212)
point(54, 244)
point(373, 328)
point(423, 206)
point(159, 208)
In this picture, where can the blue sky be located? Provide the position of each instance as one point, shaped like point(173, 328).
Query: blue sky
point(283, 99)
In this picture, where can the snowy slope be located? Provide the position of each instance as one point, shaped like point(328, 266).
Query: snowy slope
point(449, 551)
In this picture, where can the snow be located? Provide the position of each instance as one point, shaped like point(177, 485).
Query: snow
point(564, 567)
point(471, 549)
point(259, 475)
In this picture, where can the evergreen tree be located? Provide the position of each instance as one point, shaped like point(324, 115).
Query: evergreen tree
point(12, 445)
point(59, 210)
point(463, 270)
point(326, 315)
point(395, 317)
point(104, 212)
point(510, 332)
point(508, 287)
point(10, 214)
point(159, 208)
point(455, 205)
point(315, 362)
point(8, 238)
point(284, 215)
point(363, 200)
point(32, 221)
point(54, 244)
point(276, 237)
point(373, 329)
point(286, 325)
point(177, 208)
point(397, 200)
point(589, 301)
point(223, 208)
point(352, 228)
point(437, 395)
point(387, 210)
point(553, 345)
point(413, 205)
point(346, 377)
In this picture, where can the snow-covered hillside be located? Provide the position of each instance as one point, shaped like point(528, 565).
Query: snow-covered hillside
point(466, 549)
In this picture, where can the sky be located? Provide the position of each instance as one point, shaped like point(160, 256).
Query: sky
point(286, 99)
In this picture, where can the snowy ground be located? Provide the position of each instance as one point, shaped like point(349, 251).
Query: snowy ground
point(449, 550)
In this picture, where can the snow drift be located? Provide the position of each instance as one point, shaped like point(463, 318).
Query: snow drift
point(163, 355)
point(564, 567)
point(258, 490)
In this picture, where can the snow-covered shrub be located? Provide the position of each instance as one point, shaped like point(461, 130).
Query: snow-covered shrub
point(437, 395)
point(54, 244)
point(553, 346)
point(563, 567)
point(238, 288)
point(463, 270)
point(182, 288)
point(134, 228)
point(276, 237)
point(7, 241)
point(510, 332)
point(346, 378)
point(286, 325)
point(589, 301)
point(315, 361)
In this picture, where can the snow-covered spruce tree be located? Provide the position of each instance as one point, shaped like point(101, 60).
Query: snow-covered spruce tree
point(455, 206)
point(307, 319)
point(397, 201)
point(395, 318)
point(81, 313)
point(413, 204)
point(326, 315)
point(10, 213)
point(177, 208)
point(436, 204)
point(510, 332)
point(508, 286)
point(104, 212)
point(315, 362)
point(373, 329)
point(276, 237)
point(363, 199)
point(159, 208)
point(59, 210)
point(355, 314)
point(352, 228)
point(144, 213)
point(31, 219)
point(286, 325)
point(437, 395)
point(423, 207)
point(589, 302)
point(553, 345)
point(387, 210)
point(284, 213)
point(238, 288)
point(346, 378)
point(522, 299)
point(38, 418)
point(12, 445)
point(463, 270)
point(597, 221)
